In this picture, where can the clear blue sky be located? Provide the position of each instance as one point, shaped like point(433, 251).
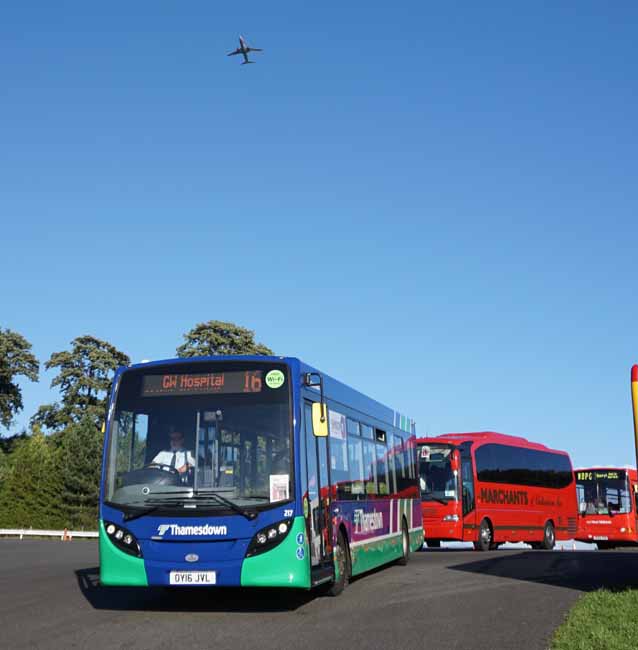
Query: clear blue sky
point(434, 202)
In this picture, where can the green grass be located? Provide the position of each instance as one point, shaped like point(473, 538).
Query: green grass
point(600, 620)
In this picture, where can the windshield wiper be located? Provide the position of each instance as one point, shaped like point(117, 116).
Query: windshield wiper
point(227, 502)
point(159, 504)
point(134, 514)
point(199, 498)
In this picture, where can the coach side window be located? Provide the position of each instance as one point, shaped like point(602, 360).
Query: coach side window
point(467, 478)
point(521, 466)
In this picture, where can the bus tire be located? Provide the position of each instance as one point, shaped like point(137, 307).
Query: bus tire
point(484, 542)
point(405, 545)
point(433, 543)
point(549, 536)
point(342, 560)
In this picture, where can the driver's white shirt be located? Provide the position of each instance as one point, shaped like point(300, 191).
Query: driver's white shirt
point(182, 457)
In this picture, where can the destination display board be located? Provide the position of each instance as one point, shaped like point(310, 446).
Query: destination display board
point(600, 475)
point(218, 383)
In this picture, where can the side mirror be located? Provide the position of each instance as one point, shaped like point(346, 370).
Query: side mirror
point(319, 420)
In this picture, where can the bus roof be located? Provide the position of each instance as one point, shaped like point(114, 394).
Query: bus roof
point(485, 437)
point(334, 389)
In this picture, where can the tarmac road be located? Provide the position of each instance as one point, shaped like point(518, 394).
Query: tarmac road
point(50, 598)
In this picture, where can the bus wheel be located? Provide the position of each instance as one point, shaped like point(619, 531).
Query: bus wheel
point(405, 543)
point(342, 566)
point(433, 543)
point(549, 537)
point(485, 537)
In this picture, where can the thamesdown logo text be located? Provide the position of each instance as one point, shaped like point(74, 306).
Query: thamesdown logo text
point(174, 529)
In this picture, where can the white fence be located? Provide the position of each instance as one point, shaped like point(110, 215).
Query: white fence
point(32, 532)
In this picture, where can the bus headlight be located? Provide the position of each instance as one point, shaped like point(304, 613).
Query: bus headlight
point(123, 539)
point(451, 518)
point(269, 537)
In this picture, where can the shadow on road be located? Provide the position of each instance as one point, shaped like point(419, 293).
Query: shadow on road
point(187, 599)
point(571, 569)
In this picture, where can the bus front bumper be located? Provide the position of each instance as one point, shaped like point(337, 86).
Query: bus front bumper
point(286, 565)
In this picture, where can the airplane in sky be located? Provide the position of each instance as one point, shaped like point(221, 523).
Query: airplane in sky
point(243, 49)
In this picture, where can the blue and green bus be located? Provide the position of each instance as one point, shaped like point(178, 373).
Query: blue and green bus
point(252, 471)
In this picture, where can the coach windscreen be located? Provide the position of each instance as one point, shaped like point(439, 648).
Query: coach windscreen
point(436, 476)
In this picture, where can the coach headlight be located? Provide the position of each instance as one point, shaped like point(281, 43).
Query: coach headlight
point(269, 537)
point(123, 539)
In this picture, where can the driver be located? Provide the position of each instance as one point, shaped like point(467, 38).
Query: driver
point(176, 457)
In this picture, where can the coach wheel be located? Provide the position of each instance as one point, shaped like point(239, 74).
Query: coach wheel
point(405, 545)
point(342, 566)
point(549, 537)
point(433, 543)
point(485, 537)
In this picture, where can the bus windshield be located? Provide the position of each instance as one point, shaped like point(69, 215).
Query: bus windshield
point(195, 434)
point(602, 492)
point(438, 482)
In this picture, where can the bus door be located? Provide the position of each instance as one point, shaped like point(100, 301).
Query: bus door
point(468, 496)
point(319, 533)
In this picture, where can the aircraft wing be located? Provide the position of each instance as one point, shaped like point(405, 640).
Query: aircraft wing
point(255, 49)
point(237, 51)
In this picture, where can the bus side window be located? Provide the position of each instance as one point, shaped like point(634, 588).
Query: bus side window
point(382, 469)
point(339, 471)
point(370, 468)
point(355, 459)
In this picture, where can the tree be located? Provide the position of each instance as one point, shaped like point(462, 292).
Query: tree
point(16, 360)
point(30, 490)
point(217, 337)
point(78, 464)
point(84, 378)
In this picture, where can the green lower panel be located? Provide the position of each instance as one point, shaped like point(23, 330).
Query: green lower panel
point(118, 568)
point(375, 553)
point(287, 565)
point(416, 539)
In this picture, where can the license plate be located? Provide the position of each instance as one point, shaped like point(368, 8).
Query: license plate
point(600, 538)
point(188, 578)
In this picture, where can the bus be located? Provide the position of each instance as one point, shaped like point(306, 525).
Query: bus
point(608, 506)
point(489, 488)
point(254, 471)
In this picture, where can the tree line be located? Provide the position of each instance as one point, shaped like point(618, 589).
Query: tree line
point(50, 472)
